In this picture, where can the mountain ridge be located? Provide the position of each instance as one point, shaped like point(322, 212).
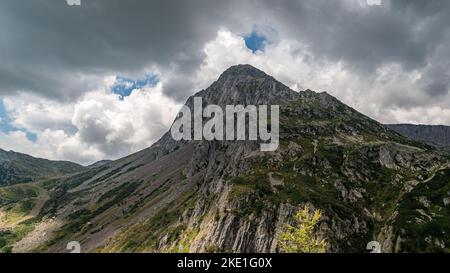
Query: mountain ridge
point(22, 168)
point(227, 196)
point(435, 135)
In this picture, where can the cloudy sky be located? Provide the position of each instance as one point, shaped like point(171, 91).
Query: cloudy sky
point(105, 79)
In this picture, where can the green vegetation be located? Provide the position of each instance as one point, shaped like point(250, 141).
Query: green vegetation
point(14, 213)
point(258, 194)
point(300, 238)
point(424, 217)
point(156, 195)
point(109, 174)
point(147, 236)
point(212, 249)
point(10, 236)
point(17, 202)
point(252, 189)
point(184, 240)
point(70, 182)
point(17, 193)
point(17, 168)
point(76, 222)
point(119, 193)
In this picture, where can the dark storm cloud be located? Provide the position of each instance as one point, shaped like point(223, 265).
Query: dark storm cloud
point(45, 45)
point(436, 81)
point(365, 36)
point(413, 34)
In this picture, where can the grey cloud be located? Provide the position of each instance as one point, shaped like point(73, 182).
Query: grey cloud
point(437, 88)
point(363, 37)
point(44, 42)
point(409, 33)
point(436, 82)
point(45, 45)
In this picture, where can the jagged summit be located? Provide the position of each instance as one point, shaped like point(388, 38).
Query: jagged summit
point(245, 84)
point(244, 70)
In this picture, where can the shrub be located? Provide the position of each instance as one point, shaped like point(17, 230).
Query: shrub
point(300, 238)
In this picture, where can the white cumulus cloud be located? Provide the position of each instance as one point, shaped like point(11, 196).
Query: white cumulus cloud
point(98, 126)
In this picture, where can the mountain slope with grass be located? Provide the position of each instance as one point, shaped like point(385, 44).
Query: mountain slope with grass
point(370, 183)
point(18, 168)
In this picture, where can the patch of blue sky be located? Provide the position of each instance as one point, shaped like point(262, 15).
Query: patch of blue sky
point(124, 86)
point(255, 41)
point(6, 125)
point(5, 121)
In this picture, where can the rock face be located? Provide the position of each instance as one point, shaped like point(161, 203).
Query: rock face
point(216, 196)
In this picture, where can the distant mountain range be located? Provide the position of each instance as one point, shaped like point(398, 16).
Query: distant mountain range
point(435, 135)
point(371, 183)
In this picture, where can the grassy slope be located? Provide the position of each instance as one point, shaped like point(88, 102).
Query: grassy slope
point(18, 168)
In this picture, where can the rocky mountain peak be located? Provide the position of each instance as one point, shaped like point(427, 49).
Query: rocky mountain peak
point(245, 84)
point(243, 71)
